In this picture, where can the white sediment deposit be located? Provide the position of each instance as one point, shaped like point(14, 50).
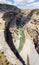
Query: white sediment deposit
point(28, 48)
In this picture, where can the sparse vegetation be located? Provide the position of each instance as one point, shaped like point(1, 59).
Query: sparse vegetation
point(22, 40)
point(16, 31)
point(19, 19)
point(37, 12)
point(3, 60)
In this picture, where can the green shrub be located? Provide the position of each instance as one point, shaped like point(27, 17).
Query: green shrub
point(22, 40)
point(37, 12)
point(16, 31)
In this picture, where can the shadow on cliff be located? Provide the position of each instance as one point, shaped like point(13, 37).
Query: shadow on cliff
point(8, 37)
point(8, 17)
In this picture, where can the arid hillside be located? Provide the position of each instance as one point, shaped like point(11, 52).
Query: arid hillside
point(19, 35)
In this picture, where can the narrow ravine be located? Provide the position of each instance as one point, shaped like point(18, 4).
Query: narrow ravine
point(8, 38)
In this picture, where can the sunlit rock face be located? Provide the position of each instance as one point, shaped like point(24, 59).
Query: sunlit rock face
point(24, 28)
point(33, 29)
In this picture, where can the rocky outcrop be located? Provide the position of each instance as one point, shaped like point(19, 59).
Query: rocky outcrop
point(6, 8)
point(15, 18)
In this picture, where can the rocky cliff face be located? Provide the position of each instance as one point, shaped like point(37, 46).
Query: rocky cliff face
point(22, 24)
